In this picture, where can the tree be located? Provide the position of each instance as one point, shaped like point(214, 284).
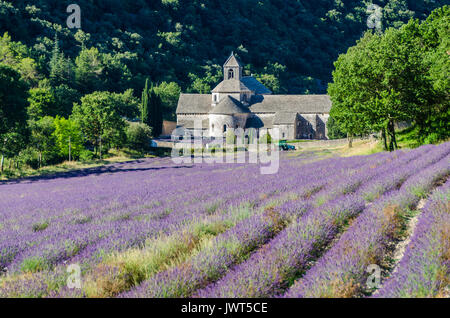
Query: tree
point(169, 94)
point(61, 69)
point(334, 132)
point(144, 104)
point(13, 103)
point(89, 69)
point(380, 81)
point(348, 91)
point(65, 97)
point(155, 111)
point(42, 103)
point(138, 136)
point(127, 105)
point(100, 120)
point(43, 140)
point(433, 121)
point(17, 55)
point(68, 137)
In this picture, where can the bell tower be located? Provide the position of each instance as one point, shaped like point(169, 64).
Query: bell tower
point(232, 69)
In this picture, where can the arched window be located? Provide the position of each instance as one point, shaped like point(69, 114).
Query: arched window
point(224, 128)
point(230, 74)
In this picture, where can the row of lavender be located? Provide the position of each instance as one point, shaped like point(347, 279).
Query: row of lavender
point(342, 271)
point(269, 271)
point(231, 244)
point(337, 190)
point(183, 280)
point(67, 239)
point(424, 270)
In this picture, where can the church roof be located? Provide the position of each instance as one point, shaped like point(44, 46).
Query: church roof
point(229, 106)
point(232, 61)
point(302, 104)
point(281, 118)
point(231, 86)
point(194, 104)
point(254, 85)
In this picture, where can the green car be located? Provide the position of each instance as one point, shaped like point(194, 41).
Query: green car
point(282, 144)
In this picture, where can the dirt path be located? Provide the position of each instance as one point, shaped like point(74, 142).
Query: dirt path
point(398, 252)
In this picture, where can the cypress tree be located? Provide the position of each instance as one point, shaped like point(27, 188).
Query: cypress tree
point(144, 104)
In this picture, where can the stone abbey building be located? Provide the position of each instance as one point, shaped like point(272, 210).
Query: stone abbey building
point(243, 102)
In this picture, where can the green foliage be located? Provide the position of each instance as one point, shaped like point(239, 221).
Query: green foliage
point(67, 130)
point(138, 136)
point(18, 56)
point(86, 155)
point(387, 78)
point(155, 112)
point(334, 131)
point(42, 103)
point(89, 70)
point(43, 140)
point(99, 118)
point(145, 115)
point(290, 48)
point(169, 94)
point(13, 99)
point(30, 157)
point(65, 97)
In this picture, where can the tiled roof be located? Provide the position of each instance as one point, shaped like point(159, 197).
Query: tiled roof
point(254, 85)
point(302, 104)
point(229, 106)
point(231, 86)
point(194, 104)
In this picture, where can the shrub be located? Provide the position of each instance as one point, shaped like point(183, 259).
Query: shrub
point(30, 157)
point(138, 136)
point(86, 155)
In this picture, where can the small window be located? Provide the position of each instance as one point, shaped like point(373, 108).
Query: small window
point(230, 74)
point(244, 97)
point(284, 135)
point(212, 127)
point(215, 97)
point(224, 128)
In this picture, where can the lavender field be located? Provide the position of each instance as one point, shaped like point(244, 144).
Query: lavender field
point(151, 228)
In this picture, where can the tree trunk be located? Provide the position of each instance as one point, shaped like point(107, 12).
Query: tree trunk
point(70, 151)
point(392, 140)
point(1, 164)
point(383, 136)
point(350, 140)
point(40, 159)
point(100, 148)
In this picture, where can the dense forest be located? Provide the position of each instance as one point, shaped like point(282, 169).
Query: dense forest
point(57, 83)
point(290, 44)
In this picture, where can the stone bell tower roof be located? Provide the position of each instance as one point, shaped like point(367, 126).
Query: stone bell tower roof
point(233, 61)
